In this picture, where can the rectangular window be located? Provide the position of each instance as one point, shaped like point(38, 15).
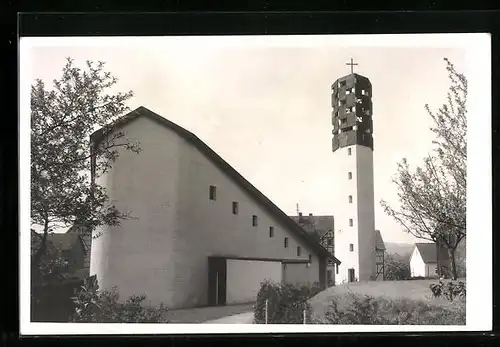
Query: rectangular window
point(310, 258)
point(329, 242)
point(299, 250)
point(337, 268)
point(351, 247)
point(213, 192)
point(271, 231)
point(254, 220)
point(349, 152)
point(350, 222)
point(286, 242)
point(235, 207)
point(350, 199)
point(349, 175)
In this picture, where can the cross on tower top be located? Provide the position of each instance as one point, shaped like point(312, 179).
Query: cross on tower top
point(352, 63)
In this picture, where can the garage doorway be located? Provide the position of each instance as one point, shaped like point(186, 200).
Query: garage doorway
point(217, 281)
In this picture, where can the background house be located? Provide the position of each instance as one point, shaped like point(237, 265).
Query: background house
point(321, 229)
point(71, 246)
point(423, 260)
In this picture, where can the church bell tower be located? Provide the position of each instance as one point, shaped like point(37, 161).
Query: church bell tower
point(352, 146)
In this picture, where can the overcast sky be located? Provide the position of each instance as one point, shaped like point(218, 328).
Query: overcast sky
point(266, 108)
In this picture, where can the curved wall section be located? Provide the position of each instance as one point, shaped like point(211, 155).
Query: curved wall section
point(136, 257)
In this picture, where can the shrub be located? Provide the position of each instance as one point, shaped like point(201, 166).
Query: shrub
point(448, 289)
point(363, 309)
point(396, 270)
point(285, 303)
point(103, 306)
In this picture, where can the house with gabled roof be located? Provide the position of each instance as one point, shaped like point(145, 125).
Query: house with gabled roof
point(423, 260)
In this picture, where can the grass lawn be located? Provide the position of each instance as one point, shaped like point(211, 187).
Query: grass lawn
point(417, 290)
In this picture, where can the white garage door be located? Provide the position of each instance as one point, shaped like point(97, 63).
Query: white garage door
point(245, 276)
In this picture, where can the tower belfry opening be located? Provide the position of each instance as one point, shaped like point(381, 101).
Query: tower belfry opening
point(352, 111)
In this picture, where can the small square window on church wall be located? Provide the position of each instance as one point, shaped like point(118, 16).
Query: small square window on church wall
point(351, 247)
point(299, 251)
point(349, 175)
point(286, 242)
point(235, 207)
point(271, 231)
point(254, 220)
point(213, 193)
point(350, 222)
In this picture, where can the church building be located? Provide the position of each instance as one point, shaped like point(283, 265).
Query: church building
point(201, 234)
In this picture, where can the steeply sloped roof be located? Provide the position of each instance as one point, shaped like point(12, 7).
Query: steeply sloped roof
point(63, 241)
point(427, 252)
point(379, 242)
point(97, 136)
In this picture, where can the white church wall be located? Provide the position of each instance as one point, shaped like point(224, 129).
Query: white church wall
point(298, 274)
point(137, 257)
point(366, 212)
point(362, 232)
point(211, 229)
point(256, 272)
point(163, 253)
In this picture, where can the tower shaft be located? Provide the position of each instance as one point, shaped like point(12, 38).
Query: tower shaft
point(352, 147)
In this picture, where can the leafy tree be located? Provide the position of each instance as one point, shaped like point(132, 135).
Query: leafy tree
point(62, 119)
point(396, 269)
point(433, 197)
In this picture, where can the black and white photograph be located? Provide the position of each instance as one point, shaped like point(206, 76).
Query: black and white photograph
point(309, 183)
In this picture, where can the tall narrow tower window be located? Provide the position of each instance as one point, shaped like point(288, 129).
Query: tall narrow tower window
point(349, 175)
point(286, 242)
point(351, 247)
point(350, 222)
point(271, 231)
point(349, 152)
point(254, 220)
point(299, 251)
point(350, 199)
point(235, 207)
point(213, 193)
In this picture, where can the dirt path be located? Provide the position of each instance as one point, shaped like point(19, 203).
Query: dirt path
point(204, 314)
point(242, 318)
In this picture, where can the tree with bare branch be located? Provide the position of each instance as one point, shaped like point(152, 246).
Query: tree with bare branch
point(433, 196)
point(62, 120)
